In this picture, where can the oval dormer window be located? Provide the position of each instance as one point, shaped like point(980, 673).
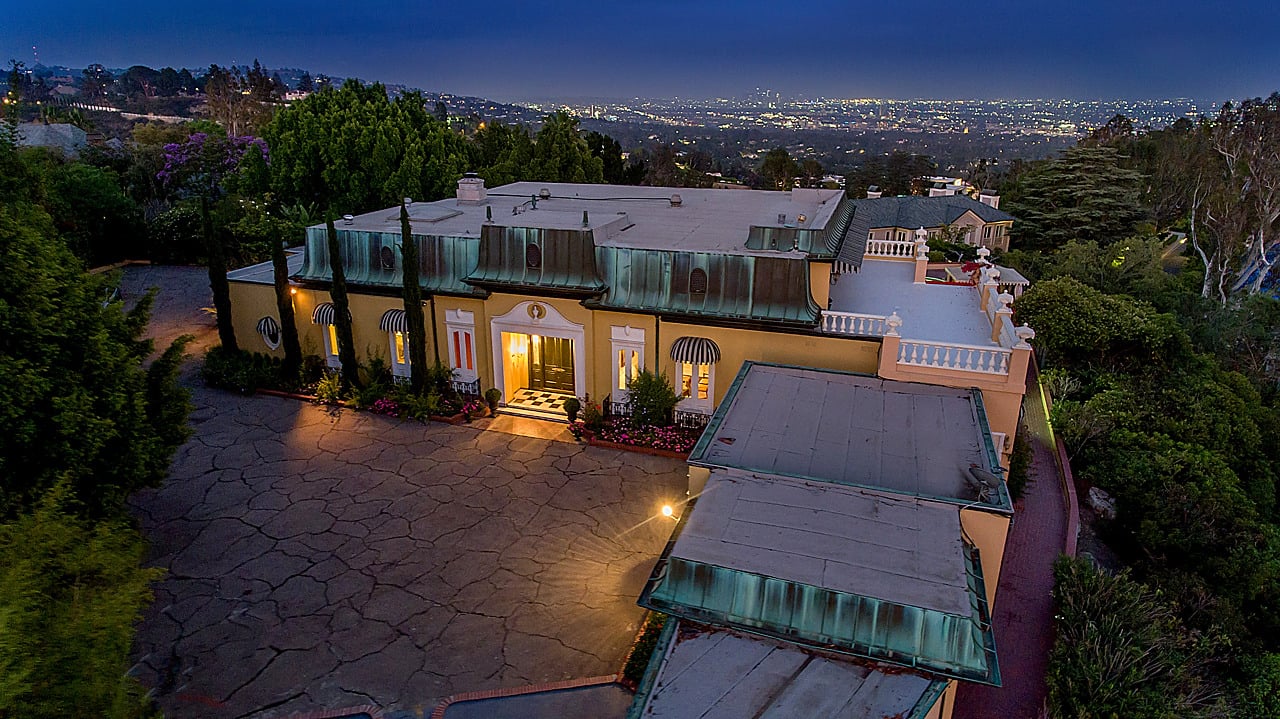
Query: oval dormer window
point(388, 257)
point(533, 256)
point(698, 282)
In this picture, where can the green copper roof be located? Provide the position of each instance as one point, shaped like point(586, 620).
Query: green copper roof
point(442, 261)
point(818, 243)
point(534, 258)
point(759, 289)
point(952, 645)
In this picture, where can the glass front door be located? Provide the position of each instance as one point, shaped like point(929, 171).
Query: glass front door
point(550, 364)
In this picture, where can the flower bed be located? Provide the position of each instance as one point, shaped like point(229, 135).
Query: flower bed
point(622, 433)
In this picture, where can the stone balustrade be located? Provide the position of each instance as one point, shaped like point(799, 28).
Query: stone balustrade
point(954, 356)
point(852, 323)
point(894, 249)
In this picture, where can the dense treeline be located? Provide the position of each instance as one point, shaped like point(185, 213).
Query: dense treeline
point(1162, 351)
point(88, 419)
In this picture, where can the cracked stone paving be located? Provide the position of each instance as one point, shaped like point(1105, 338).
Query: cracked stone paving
point(320, 559)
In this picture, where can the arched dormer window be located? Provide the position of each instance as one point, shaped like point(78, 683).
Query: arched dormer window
point(388, 258)
point(532, 256)
point(698, 282)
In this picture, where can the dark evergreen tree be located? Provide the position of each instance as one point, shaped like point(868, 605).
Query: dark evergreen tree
point(284, 304)
point(342, 310)
point(215, 248)
point(413, 304)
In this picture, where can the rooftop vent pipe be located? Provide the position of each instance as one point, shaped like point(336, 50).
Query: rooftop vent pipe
point(676, 201)
point(348, 219)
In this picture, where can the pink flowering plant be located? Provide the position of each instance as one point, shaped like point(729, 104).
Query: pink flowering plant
point(623, 430)
point(386, 406)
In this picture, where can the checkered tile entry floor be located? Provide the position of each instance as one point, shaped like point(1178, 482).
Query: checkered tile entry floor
point(538, 399)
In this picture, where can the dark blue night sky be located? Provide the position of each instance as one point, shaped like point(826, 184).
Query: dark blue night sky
point(512, 50)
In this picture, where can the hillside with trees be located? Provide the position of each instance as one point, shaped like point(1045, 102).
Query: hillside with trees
point(1159, 330)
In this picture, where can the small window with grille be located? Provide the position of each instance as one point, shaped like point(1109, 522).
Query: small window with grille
point(698, 282)
point(532, 256)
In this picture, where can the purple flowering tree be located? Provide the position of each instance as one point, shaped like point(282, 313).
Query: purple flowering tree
point(200, 167)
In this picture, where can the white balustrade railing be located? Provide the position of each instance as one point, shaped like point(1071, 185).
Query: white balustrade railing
point(1008, 338)
point(850, 323)
point(891, 248)
point(943, 355)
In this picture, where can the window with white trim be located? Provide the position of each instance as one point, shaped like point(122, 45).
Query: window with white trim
point(331, 346)
point(627, 351)
point(400, 354)
point(460, 334)
point(986, 232)
point(696, 385)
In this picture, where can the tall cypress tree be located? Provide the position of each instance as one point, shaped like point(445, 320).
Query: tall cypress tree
point(342, 311)
point(284, 304)
point(413, 304)
point(217, 251)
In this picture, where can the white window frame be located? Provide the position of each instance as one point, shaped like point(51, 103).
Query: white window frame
point(692, 402)
point(460, 335)
point(398, 368)
point(331, 347)
point(626, 356)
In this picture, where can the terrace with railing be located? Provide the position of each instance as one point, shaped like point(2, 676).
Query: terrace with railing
point(926, 326)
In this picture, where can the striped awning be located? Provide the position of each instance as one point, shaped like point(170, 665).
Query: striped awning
point(695, 350)
point(323, 314)
point(394, 321)
point(268, 327)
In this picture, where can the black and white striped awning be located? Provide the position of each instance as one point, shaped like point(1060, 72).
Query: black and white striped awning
point(695, 350)
point(394, 321)
point(323, 314)
point(268, 327)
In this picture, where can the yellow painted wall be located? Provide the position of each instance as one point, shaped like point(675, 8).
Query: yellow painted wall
point(820, 283)
point(739, 345)
point(989, 531)
point(250, 303)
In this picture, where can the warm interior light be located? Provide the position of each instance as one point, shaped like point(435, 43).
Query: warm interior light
point(667, 511)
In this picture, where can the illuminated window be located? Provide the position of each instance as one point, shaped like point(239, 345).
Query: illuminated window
point(460, 328)
point(331, 345)
point(627, 344)
point(695, 383)
point(400, 354)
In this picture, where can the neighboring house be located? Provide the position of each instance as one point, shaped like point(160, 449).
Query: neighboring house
point(62, 136)
point(547, 291)
point(838, 555)
point(982, 221)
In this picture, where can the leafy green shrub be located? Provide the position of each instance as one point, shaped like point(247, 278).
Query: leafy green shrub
point(1260, 697)
point(492, 397)
point(418, 406)
point(377, 383)
point(1122, 652)
point(571, 408)
point(642, 651)
point(652, 399)
point(329, 388)
point(174, 237)
point(592, 417)
point(241, 371)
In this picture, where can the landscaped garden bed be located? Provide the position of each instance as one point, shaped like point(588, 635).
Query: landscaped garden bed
point(648, 429)
point(378, 392)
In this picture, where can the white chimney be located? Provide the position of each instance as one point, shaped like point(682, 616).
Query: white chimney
point(873, 192)
point(989, 197)
point(471, 190)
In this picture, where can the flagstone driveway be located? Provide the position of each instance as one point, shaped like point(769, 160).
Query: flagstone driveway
point(319, 560)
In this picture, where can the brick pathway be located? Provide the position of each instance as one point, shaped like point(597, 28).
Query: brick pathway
point(1023, 614)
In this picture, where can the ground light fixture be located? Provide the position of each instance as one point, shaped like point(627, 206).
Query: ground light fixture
point(669, 511)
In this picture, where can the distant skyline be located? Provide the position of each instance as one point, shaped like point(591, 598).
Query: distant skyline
point(512, 51)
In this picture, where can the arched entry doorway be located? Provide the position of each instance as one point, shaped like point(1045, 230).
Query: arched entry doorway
point(538, 357)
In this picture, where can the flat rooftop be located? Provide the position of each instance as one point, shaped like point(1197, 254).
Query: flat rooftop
point(706, 220)
point(941, 313)
point(264, 273)
point(902, 437)
point(715, 673)
point(895, 549)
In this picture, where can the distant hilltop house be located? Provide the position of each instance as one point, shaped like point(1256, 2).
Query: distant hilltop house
point(62, 136)
point(981, 221)
point(847, 515)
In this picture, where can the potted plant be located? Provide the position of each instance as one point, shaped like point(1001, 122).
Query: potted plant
point(491, 396)
point(571, 408)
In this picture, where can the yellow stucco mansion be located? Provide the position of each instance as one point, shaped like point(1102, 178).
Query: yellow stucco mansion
point(547, 290)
